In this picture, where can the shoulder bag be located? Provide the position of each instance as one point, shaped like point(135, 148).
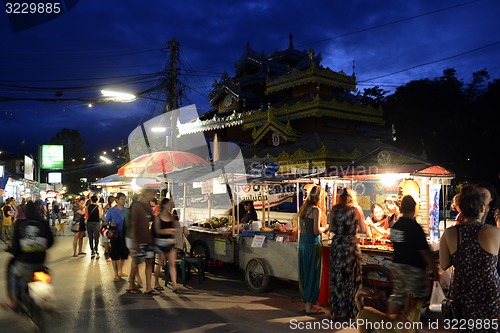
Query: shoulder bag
point(447, 306)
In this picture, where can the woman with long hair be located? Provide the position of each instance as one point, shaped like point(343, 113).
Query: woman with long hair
point(311, 222)
point(165, 226)
point(345, 266)
point(79, 217)
point(378, 222)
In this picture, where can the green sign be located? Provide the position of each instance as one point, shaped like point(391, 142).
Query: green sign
point(52, 157)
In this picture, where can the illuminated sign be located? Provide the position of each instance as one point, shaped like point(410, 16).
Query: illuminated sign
point(29, 168)
point(52, 157)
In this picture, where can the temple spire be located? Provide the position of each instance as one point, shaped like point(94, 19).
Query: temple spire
point(290, 37)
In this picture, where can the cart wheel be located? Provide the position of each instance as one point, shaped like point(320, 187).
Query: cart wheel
point(200, 249)
point(257, 275)
point(377, 286)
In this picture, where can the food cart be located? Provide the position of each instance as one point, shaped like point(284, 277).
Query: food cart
point(259, 252)
point(275, 254)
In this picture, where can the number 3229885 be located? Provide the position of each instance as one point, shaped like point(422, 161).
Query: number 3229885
point(471, 324)
point(32, 8)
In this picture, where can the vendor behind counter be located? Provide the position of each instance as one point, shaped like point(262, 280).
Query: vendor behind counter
point(249, 214)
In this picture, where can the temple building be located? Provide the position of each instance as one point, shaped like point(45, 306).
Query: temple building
point(288, 107)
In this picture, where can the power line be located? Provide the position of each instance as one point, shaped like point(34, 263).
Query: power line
point(432, 62)
point(390, 23)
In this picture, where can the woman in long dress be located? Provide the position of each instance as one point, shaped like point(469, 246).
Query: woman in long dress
point(345, 266)
point(311, 217)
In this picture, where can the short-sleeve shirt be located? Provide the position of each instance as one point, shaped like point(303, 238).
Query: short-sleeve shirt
point(408, 239)
point(116, 215)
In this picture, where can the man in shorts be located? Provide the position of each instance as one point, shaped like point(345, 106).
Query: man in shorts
point(411, 258)
point(119, 251)
point(141, 218)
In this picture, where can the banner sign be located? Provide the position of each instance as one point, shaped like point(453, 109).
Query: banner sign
point(272, 195)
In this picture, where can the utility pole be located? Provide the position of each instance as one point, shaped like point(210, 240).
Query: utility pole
point(172, 91)
point(172, 76)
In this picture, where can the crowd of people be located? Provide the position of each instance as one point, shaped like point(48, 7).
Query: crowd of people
point(472, 246)
point(143, 230)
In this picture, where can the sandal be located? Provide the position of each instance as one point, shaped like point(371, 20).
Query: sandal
point(159, 288)
point(75, 255)
point(82, 253)
point(133, 291)
point(314, 312)
point(152, 292)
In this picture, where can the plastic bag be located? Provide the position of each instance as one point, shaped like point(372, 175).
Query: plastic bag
point(437, 297)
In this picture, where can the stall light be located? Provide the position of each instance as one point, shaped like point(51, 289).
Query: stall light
point(105, 159)
point(390, 179)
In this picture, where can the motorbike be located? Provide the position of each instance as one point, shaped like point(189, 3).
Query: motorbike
point(35, 295)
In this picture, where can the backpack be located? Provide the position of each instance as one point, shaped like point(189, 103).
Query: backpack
point(7, 219)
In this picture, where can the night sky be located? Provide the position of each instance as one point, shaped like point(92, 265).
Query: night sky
point(122, 44)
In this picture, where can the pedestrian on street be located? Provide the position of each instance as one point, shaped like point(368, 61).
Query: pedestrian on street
point(345, 264)
point(412, 256)
point(79, 217)
point(115, 217)
point(136, 285)
point(94, 216)
point(142, 216)
point(56, 213)
point(311, 218)
point(111, 202)
point(165, 227)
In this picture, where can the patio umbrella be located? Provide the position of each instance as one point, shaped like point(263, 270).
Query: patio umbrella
point(53, 194)
point(159, 163)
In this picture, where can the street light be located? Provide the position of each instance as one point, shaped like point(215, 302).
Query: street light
point(116, 96)
point(105, 159)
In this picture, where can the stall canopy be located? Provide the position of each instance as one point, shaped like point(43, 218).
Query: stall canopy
point(114, 180)
point(159, 163)
point(434, 171)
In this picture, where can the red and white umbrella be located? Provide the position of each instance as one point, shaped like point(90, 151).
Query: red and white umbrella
point(159, 163)
point(53, 194)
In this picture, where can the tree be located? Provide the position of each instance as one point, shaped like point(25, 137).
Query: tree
point(448, 122)
point(74, 153)
point(373, 96)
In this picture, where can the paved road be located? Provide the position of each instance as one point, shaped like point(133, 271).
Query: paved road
point(89, 301)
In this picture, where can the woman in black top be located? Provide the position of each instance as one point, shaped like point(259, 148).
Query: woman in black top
point(166, 225)
point(250, 214)
point(94, 213)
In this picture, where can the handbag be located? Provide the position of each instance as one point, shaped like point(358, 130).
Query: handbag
point(448, 308)
point(75, 227)
point(437, 297)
